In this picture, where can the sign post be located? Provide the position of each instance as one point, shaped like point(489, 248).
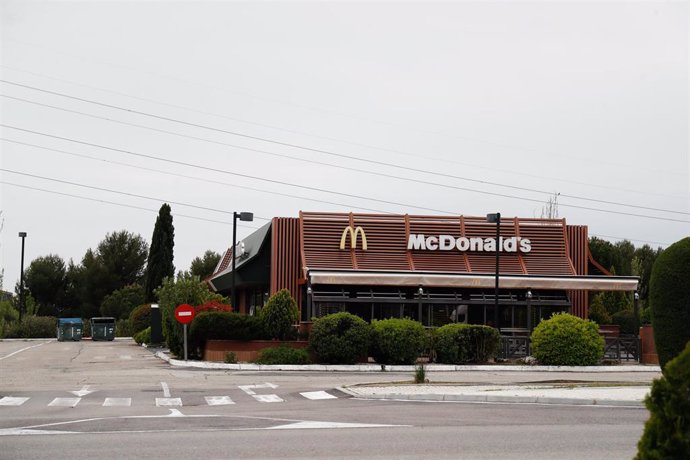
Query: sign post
point(184, 314)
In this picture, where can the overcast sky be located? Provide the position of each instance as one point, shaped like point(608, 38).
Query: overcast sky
point(499, 103)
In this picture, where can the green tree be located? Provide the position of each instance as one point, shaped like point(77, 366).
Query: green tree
point(626, 252)
point(615, 301)
point(604, 252)
point(203, 267)
point(118, 261)
point(597, 310)
point(279, 314)
point(120, 303)
point(670, 300)
point(46, 280)
point(173, 293)
point(160, 261)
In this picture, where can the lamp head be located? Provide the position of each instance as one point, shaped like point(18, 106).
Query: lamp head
point(493, 218)
point(22, 234)
point(246, 216)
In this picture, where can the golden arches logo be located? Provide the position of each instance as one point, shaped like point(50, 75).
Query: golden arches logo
point(353, 237)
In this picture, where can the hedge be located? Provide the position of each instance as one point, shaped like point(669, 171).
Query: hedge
point(283, 355)
point(33, 327)
point(566, 340)
point(465, 343)
point(669, 291)
point(220, 325)
point(340, 338)
point(397, 341)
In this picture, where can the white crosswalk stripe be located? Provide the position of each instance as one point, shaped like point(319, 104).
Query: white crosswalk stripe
point(12, 401)
point(314, 395)
point(64, 402)
point(268, 398)
point(168, 402)
point(218, 400)
point(121, 402)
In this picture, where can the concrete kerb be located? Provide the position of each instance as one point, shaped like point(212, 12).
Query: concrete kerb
point(384, 368)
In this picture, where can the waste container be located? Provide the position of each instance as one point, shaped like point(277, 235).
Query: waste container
point(103, 328)
point(69, 329)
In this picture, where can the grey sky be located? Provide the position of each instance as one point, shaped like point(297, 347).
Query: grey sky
point(587, 99)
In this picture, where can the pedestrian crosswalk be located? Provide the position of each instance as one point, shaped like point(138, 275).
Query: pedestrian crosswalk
point(166, 401)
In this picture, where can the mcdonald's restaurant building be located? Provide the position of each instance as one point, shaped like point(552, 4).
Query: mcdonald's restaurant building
point(434, 269)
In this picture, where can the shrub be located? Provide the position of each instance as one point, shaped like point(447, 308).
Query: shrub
point(283, 355)
point(140, 318)
point(120, 303)
point(667, 432)
point(230, 358)
point(340, 338)
point(220, 325)
point(279, 314)
point(625, 319)
point(670, 300)
point(465, 343)
point(173, 293)
point(33, 327)
point(566, 340)
point(143, 336)
point(8, 315)
point(397, 341)
point(122, 328)
point(598, 312)
point(419, 374)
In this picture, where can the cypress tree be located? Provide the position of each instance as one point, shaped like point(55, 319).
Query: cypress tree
point(160, 261)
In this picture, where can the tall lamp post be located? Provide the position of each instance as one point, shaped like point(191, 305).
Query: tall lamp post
point(496, 218)
point(22, 235)
point(244, 217)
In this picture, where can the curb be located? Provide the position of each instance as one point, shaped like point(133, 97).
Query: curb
point(496, 399)
point(386, 368)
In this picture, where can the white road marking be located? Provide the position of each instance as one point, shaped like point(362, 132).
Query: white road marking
point(24, 349)
point(12, 401)
point(125, 356)
point(175, 413)
point(110, 402)
point(166, 390)
point(268, 398)
point(168, 402)
point(249, 389)
point(218, 400)
point(83, 392)
point(65, 402)
point(318, 395)
point(309, 425)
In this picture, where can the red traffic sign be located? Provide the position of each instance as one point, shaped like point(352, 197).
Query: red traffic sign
point(184, 314)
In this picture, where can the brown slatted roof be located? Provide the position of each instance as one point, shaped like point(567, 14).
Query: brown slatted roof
point(387, 237)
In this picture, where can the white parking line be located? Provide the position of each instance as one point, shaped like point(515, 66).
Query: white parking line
point(318, 395)
point(24, 349)
point(65, 402)
point(168, 402)
point(218, 400)
point(110, 402)
point(12, 401)
point(268, 398)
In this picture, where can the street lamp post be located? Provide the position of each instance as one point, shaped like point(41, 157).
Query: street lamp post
point(22, 235)
point(244, 217)
point(496, 218)
point(636, 306)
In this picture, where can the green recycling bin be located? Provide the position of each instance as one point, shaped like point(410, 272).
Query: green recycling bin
point(103, 328)
point(69, 329)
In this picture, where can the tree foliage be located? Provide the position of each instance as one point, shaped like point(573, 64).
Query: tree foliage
point(160, 260)
point(121, 302)
point(46, 280)
point(279, 314)
point(670, 300)
point(203, 266)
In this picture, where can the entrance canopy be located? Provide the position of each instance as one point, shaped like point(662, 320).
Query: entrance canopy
point(471, 280)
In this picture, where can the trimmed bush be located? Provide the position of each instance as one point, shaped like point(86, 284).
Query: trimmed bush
point(140, 318)
point(667, 432)
point(566, 340)
point(143, 336)
point(279, 314)
point(33, 327)
point(465, 343)
point(340, 338)
point(397, 341)
point(283, 355)
point(122, 328)
point(670, 300)
point(625, 319)
point(220, 325)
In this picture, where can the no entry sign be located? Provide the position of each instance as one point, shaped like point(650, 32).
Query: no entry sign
point(184, 314)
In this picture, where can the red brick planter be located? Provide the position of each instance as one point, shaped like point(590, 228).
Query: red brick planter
point(245, 351)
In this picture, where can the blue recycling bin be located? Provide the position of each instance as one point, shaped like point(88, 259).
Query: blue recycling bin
point(69, 329)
